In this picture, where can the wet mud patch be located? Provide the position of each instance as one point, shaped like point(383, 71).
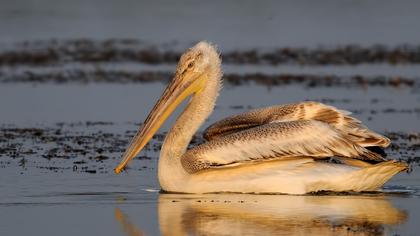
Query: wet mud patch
point(131, 50)
point(122, 77)
point(79, 147)
point(73, 147)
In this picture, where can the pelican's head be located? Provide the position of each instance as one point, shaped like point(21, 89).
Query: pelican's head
point(191, 77)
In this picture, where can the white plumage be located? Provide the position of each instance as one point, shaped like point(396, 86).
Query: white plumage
point(279, 149)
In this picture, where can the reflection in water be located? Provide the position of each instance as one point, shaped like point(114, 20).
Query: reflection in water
point(128, 227)
point(220, 214)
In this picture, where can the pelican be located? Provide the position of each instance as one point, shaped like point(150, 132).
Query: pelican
point(277, 149)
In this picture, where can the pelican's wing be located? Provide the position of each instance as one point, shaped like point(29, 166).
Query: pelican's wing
point(339, 119)
point(308, 138)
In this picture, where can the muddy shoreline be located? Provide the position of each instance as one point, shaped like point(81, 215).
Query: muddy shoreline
point(54, 52)
point(233, 79)
point(96, 151)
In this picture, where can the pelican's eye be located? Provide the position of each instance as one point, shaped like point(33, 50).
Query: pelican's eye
point(190, 65)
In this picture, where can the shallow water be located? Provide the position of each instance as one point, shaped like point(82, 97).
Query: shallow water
point(168, 214)
point(263, 24)
point(79, 194)
point(380, 108)
point(61, 139)
point(46, 202)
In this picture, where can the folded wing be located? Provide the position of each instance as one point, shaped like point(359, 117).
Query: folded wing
point(339, 119)
point(276, 140)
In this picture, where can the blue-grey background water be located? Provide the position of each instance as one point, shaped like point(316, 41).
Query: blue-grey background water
point(65, 120)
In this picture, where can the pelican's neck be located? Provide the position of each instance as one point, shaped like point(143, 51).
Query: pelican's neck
point(201, 105)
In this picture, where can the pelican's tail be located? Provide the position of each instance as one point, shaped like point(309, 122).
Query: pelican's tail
point(373, 177)
point(368, 177)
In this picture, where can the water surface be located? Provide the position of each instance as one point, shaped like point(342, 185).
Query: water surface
point(59, 141)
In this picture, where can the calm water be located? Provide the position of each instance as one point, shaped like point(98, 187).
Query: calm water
point(70, 202)
point(57, 196)
point(229, 24)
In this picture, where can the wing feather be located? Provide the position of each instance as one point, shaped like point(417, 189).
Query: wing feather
point(339, 119)
point(307, 138)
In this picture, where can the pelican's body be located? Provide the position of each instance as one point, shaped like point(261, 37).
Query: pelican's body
point(280, 149)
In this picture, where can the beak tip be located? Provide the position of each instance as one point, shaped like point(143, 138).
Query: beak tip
point(117, 170)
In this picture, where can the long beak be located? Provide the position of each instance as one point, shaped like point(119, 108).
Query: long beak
point(174, 94)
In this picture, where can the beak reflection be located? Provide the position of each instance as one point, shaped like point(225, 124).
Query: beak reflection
point(128, 227)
